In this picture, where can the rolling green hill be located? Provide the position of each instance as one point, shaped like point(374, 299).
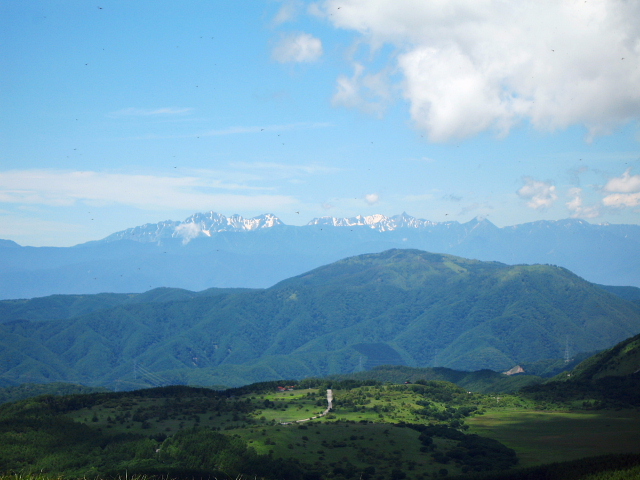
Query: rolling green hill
point(404, 307)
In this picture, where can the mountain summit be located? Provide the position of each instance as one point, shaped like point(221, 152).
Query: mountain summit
point(402, 307)
point(213, 250)
point(377, 222)
point(198, 224)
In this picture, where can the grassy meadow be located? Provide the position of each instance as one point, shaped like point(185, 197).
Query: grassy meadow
point(541, 437)
point(417, 431)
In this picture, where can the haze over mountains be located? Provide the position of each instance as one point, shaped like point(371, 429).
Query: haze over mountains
point(212, 250)
point(402, 307)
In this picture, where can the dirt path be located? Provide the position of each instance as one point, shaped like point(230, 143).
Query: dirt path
point(329, 407)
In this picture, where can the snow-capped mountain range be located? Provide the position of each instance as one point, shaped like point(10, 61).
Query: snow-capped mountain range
point(205, 224)
point(377, 222)
point(198, 224)
point(213, 250)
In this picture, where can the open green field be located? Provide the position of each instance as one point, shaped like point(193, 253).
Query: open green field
point(375, 432)
point(545, 437)
point(380, 445)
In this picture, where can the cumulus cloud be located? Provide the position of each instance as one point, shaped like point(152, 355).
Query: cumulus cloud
point(372, 198)
point(301, 47)
point(621, 200)
point(473, 65)
point(626, 191)
point(539, 195)
point(576, 205)
point(627, 183)
point(62, 188)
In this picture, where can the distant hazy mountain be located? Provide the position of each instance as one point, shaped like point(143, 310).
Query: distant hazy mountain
point(402, 307)
point(212, 250)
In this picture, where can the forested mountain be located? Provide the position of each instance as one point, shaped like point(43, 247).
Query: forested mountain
point(608, 379)
point(402, 307)
point(58, 307)
point(211, 250)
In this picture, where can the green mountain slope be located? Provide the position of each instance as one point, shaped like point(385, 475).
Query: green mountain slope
point(400, 306)
point(619, 361)
point(609, 378)
point(57, 307)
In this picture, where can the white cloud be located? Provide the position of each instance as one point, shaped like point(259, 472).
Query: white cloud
point(62, 188)
point(474, 65)
point(287, 12)
point(576, 205)
point(627, 183)
point(539, 195)
point(188, 231)
point(621, 200)
point(372, 198)
point(301, 47)
point(367, 92)
point(626, 191)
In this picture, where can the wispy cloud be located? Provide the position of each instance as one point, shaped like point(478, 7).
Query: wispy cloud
point(576, 205)
point(299, 47)
point(287, 12)
point(62, 188)
point(367, 92)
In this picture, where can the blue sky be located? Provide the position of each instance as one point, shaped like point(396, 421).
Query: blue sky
point(116, 113)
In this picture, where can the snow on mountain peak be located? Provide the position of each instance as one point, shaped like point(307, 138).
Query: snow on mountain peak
point(205, 224)
point(378, 222)
point(197, 225)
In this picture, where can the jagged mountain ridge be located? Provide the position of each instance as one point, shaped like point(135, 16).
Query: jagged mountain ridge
point(205, 224)
point(377, 222)
point(198, 224)
point(212, 250)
